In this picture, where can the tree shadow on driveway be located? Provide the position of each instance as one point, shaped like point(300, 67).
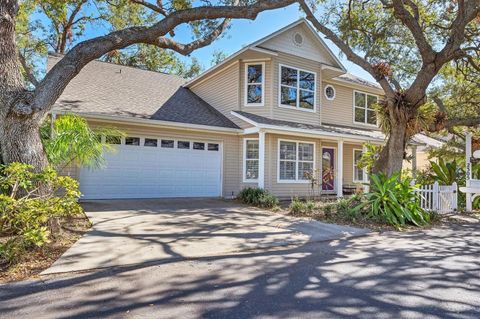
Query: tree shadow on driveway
point(430, 274)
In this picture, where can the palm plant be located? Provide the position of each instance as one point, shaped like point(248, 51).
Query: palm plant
point(70, 140)
point(447, 173)
point(393, 199)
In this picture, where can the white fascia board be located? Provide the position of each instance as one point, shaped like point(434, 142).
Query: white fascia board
point(254, 46)
point(251, 130)
point(262, 50)
point(149, 122)
point(305, 132)
point(357, 86)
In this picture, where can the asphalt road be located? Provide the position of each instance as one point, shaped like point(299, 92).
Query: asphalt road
point(431, 274)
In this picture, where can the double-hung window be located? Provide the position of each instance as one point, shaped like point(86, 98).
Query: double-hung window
point(364, 111)
point(358, 173)
point(296, 159)
point(297, 88)
point(250, 160)
point(254, 84)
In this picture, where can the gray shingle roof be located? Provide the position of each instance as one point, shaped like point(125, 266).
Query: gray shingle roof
point(115, 90)
point(367, 134)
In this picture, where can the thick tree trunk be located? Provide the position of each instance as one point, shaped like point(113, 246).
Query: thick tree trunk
point(19, 133)
point(392, 154)
point(391, 157)
point(21, 142)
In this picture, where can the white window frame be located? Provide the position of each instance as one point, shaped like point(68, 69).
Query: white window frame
point(244, 171)
point(245, 89)
point(355, 180)
point(366, 109)
point(296, 180)
point(334, 92)
point(297, 107)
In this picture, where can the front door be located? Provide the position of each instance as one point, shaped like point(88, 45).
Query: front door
point(328, 169)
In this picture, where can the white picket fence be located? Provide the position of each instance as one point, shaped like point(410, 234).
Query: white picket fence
point(439, 198)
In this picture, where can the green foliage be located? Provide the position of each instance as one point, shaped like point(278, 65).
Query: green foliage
point(58, 25)
point(257, 197)
point(73, 141)
point(447, 173)
point(298, 206)
point(369, 156)
point(393, 200)
point(29, 201)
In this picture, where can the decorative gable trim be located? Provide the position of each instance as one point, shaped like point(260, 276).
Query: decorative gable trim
point(255, 46)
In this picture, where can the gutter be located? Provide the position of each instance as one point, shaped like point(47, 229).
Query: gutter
point(155, 123)
point(275, 128)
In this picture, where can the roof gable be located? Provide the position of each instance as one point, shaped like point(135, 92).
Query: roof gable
point(311, 47)
point(316, 47)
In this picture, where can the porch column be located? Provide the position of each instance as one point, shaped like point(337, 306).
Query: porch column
point(468, 169)
point(366, 173)
point(261, 159)
point(340, 169)
point(414, 161)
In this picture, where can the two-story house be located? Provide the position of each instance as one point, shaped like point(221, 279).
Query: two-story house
point(270, 114)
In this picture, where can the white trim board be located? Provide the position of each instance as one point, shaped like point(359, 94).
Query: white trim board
point(327, 135)
point(254, 46)
point(246, 84)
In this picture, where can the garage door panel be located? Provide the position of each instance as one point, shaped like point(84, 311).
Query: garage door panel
point(154, 172)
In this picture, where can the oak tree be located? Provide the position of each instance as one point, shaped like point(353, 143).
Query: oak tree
point(23, 108)
point(403, 45)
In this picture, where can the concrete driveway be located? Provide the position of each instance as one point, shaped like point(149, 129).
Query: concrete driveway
point(130, 232)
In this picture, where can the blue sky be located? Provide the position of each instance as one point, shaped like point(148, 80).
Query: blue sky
point(241, 33)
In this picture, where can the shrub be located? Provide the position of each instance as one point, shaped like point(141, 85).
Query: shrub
point(30, 204)
point(298, 206)
point(257, 197)
point(393, 200)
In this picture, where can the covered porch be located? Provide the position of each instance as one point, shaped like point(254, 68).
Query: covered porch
point(304, 160)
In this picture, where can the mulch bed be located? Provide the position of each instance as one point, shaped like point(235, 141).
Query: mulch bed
point(39, 259)
point(377, 225)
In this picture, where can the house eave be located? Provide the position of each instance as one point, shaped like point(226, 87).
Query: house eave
point(307, 133)
point(152, 123)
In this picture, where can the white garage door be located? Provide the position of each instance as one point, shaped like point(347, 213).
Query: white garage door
point(155, 168)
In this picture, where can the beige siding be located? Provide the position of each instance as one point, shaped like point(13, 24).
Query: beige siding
point(348, 162)
point(288, 190)
point(264, 110)
point(233, 157)
point(296, 115)
point(339, 111)
point(310, 49)
point(222, 91)
point(231, 147)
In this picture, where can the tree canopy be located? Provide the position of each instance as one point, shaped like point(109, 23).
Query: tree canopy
point(408, 46)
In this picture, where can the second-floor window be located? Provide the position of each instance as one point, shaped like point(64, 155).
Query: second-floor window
point(254, 84)
point(297, 88)
point(364, 112)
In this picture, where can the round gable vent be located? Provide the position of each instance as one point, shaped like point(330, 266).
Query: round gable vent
point(297, 39)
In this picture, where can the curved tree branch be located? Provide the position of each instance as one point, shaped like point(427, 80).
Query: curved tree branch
point(186, 49)
point(413, 24)
point(151, 6)
point(351, 55)
point(28, 71)
point(55, 81)
point(467, 10)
